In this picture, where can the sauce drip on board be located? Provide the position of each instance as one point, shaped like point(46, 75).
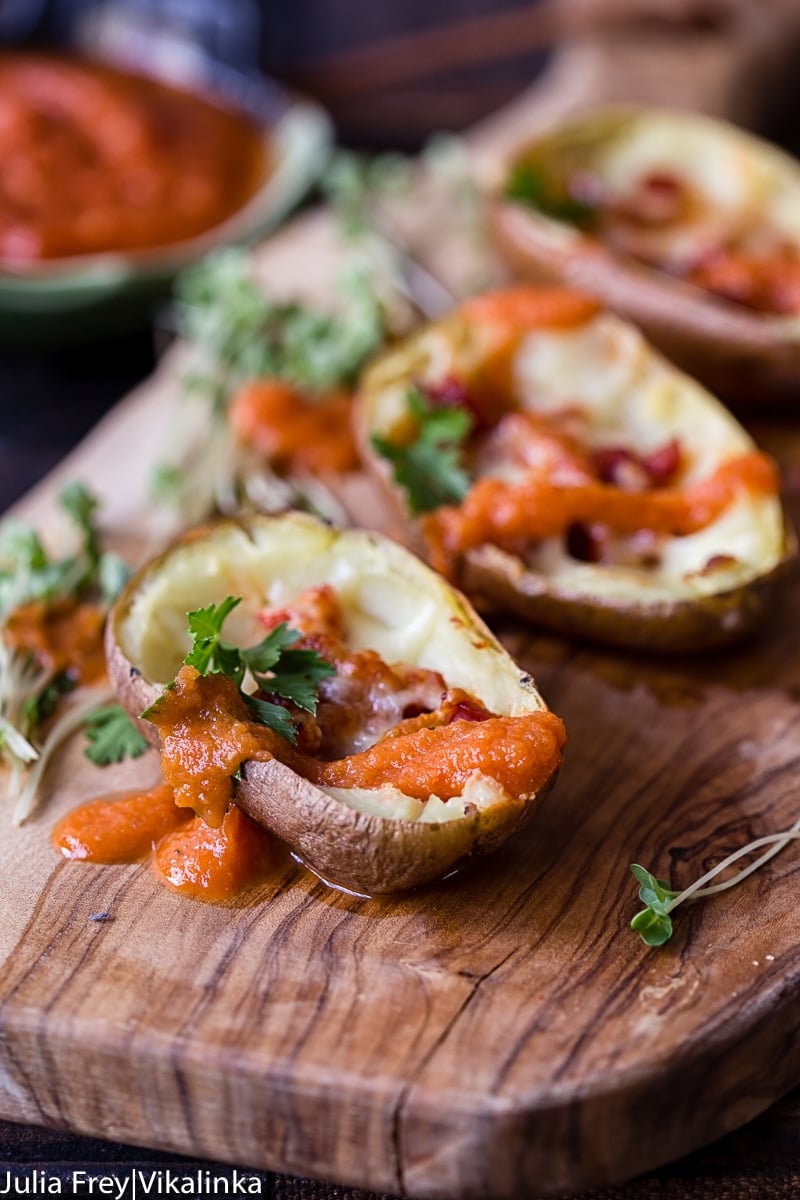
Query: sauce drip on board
point(215, 865)
point(97, 159)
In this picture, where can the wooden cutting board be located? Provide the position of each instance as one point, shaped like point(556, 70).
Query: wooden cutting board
point(501, 1033)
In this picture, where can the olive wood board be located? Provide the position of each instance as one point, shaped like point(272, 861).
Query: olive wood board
point(499, 1034)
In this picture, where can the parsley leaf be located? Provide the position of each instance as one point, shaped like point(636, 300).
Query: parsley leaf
point(111, 736)
point(531, 185)
point(272, 665)
point(209, 652)
point(429, 468)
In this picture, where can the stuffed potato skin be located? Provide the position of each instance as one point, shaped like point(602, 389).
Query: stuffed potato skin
point(390, 600)
point(711, 587)
point(739, 352)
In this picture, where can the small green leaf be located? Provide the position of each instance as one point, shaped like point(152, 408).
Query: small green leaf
point(112, 575)
point(654, 928)
point(264, 656)
point(79, 503)
point(37, 708)
point(653, 892)
point(274, 716)
point(297, 677)
point(112, 736)
point(532, 185)
point(429, 468)
point(205, 626)
point(21, 546)
point(167, 483)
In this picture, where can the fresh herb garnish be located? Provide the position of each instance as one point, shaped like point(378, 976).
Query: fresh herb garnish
point(29, 692)
point(272, 665)
point(111, 736)
point(654, 923)
point(429, 468)
point(531, 185)
point(241, 334)
point(28, 572)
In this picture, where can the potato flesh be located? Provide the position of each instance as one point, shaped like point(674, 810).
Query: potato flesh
point(392, 603)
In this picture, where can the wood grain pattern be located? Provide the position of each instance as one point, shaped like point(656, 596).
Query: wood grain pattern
point(500, 1034)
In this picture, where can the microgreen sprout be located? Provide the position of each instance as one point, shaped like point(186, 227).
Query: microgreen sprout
point(654, 922)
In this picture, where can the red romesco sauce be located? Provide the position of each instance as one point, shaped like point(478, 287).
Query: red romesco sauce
point(501, 319)
point(292, 430)
point(514, 515)
point(215, 865)
point(97, 159)
point(61, 635)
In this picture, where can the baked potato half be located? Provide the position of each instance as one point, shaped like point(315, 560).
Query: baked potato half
point(686, 225)
point(591, 487)
point(404, 644)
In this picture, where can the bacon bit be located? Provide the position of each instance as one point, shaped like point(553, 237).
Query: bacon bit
point(455, 705)
point(621, 468)
point(663, 465)
point(587, 543)
point(469, 710)
point(316, 610)
point(658, 199)
point(452, 392)
point(635, 473)
point(718, 562)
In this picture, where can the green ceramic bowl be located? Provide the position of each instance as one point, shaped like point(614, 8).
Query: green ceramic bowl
point(81, 298)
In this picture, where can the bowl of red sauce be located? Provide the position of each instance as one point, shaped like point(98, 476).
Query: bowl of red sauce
point(112, 180)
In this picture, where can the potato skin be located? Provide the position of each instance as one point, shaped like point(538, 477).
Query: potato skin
point(134, 692)
point(738, 355)
point(743, 356)
point(367, 854)
point(497, 580)
point(345, 846)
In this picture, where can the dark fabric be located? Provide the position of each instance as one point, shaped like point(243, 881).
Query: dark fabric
point(25, 1150)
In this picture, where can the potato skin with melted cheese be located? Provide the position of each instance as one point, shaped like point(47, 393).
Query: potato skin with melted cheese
point(339, 816)
point(529, 361)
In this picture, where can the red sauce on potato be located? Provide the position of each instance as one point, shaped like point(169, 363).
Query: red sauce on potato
point(420, 738)
point(63, 635)
point(512, 515)
point(97, 159)
point(292, 430)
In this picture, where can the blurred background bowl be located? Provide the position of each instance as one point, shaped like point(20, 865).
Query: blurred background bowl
point(60, 300)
